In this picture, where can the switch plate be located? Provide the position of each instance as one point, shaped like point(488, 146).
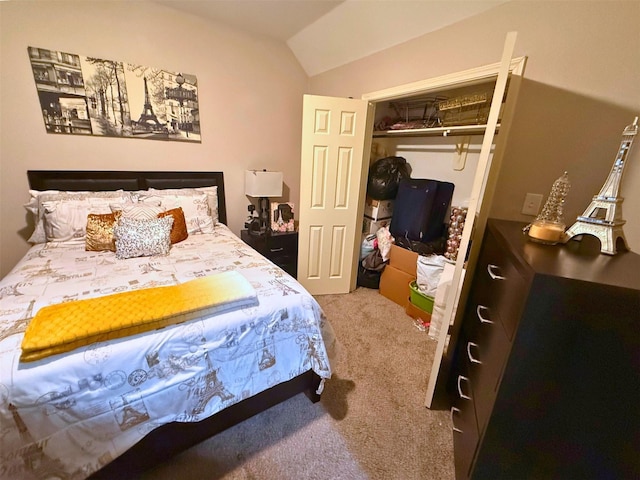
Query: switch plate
point(531, 205)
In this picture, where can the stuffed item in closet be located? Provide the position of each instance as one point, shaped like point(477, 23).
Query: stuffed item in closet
point(385, 240)
point(373, 263)
point(420, 209)
point(384, 177)
point(436, 246)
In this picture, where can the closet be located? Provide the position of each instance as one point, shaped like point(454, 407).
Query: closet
point(453, 128)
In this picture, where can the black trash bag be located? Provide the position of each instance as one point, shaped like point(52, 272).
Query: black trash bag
point(368, 278)
point(384, 177)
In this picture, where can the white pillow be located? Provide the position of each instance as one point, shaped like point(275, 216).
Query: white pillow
point(212, 199)
point(212, 196)
point(38, 197)
point(66, 220)
point(194, 204)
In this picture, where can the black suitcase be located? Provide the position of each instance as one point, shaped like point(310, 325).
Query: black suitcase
point(420, 209)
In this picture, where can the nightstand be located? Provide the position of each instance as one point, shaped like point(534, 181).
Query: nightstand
point(280, 248)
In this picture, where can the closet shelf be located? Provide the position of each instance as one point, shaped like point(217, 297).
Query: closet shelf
point(436, 131)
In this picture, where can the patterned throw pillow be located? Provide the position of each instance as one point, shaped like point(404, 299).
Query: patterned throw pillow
point(142, 238)
point(138, 211)
point(100, 232)
point(179, 228)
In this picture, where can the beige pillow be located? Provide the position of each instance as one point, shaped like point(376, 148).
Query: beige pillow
point(138, 211)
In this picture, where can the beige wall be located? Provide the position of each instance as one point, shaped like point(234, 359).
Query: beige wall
point(250, 101)
point(581, 88)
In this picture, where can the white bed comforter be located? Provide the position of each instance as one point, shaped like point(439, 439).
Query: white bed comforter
point(68, 415)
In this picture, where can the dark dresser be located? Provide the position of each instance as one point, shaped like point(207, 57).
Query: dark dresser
point(546, 371)
point(280, 248)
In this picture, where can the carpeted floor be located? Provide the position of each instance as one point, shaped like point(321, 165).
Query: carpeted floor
point(370, 424)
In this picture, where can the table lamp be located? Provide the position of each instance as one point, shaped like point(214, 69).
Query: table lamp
point(263, 184)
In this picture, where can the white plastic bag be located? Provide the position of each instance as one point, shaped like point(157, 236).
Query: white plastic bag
point(369, 244)
point(440, 300)
point(385, 240)
point(429, 271)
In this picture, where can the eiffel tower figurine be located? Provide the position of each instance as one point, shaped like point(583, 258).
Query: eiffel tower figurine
point(147, 117)
point(603, 217)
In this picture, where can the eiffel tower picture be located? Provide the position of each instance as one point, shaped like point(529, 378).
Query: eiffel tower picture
point(147, 118)
point(34, 459)
point(603, 217)
point(19, 325)
point(209, 386)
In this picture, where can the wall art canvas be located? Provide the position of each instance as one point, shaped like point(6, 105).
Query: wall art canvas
point(82, 95)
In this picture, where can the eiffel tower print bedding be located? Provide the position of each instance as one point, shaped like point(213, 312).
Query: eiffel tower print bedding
point(68, 415)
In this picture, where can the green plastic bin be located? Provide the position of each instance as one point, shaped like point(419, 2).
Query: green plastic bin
point(419, 299)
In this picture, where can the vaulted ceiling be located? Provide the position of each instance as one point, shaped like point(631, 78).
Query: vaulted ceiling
point(324, 34)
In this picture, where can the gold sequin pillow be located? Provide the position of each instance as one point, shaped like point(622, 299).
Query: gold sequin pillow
point(100, 232)
point(179, 228)
point(142, 238)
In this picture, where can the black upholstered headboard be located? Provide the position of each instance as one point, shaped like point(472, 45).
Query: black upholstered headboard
point(95, 180)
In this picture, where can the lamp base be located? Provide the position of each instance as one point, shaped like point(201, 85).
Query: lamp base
point(265, 223)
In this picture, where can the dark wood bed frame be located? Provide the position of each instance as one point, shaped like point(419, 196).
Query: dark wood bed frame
point(175, 437)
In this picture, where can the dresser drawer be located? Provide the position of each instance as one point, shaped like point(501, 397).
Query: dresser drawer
point(283, 242)
point(487, 350)
point(280, 248)
point(502, 288)
point(464, 423)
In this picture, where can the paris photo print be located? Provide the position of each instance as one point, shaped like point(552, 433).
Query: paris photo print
point(82, 95)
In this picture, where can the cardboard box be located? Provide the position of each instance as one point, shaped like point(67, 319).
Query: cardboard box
point(394, 284)
point(417, 313)
point(370, 225)
point(404, 260)
point(378, 209)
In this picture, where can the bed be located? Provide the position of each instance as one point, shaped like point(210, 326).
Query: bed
point(118, 406)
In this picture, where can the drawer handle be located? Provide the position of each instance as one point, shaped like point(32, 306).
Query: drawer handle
point(471, 358)
point(494, 268)
point(453, 424)
point(274, 250)
point(482, 308)
point(462, 395)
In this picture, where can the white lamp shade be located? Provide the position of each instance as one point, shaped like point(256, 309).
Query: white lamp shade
point(259, 183)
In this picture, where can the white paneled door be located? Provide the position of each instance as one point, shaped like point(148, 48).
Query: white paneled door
point(336, 143)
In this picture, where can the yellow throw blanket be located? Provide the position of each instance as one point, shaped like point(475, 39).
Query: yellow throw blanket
point(66, 326)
